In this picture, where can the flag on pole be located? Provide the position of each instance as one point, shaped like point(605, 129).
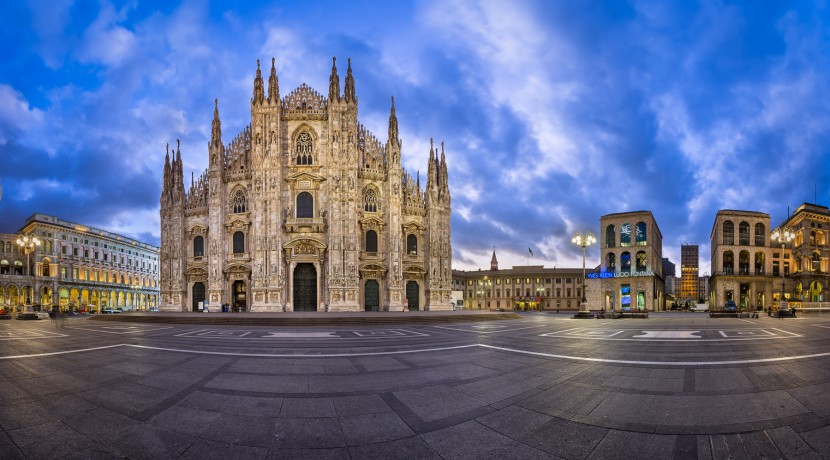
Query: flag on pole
point(530, 251)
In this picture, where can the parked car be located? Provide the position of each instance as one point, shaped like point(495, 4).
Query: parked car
point(109, 311)
point(32, 315)
point(730, 306)
point(700, 307)
point(5, 314)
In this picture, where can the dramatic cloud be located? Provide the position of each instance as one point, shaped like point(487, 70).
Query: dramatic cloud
point(552, 113)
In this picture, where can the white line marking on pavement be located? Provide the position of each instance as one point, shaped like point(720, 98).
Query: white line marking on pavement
point(746, 321)
point(38, 355)
point(489, 332)
point(289, 355)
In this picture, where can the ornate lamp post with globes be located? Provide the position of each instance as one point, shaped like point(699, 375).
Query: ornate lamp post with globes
point(782, 235)
point(28, 243)
point(583, 240)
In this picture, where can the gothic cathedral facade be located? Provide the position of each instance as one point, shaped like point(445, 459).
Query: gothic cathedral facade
point(305, 210)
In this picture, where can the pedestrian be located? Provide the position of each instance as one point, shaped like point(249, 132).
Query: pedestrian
point(793, 312)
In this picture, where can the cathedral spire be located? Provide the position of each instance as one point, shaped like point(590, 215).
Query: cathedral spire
point(393, 122)
point(334, 82)
point(216, 126)
point(494, 263)
point(259, 92)
point(273, 84)
point(167, 172)
point(348, 91)
point(443, 170)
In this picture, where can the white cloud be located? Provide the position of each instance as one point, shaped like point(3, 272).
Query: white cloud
point(16, 115)
point(104, 41)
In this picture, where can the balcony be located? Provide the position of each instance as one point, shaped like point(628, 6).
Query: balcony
point(305, 224)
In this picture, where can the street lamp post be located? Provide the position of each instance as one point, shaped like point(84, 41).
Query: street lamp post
point(583, 240)
point(782, 235)
point(28, 243)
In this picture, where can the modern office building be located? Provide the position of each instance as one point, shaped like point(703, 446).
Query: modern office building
point(631, 274)
point(77, 266)
point(669, 270)
point(306, 210)
point(703, 288)
point(689, 271)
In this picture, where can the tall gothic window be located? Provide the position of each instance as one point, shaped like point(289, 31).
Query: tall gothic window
point(305, 149)
point(198, 246)
point(728, 262)
point(240, 201)
point(642, 261)
point(371, 241)
point(370, 201)
point(238, 243)
point(611, 265)
point(412, 245)
point(625, 262)
point(305, 205)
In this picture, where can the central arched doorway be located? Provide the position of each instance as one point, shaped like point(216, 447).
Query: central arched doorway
point(412, 299)
point(198, 294)
point(371, 296)
point(240, 298)
point(305, 288)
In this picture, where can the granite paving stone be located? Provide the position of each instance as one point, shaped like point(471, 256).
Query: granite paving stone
point(100, 424)
point(564, 438)
point(517, 450)
point(147, 442)
point(8, 450)
point(310, 454)
point(814, 397)
point(241, 429)
point(818, 440)
point(260, 383)
point(14, 416)
point(513, 421)
point(402, 449)
point(307, 433)
point(721, 380)
point(437, 402)
point(65, 406)
point(205, 449)
point(359, 405)
point(466, 440)
point(308, 408)
point(184, 420)
point(49, 440)
point(758, 445)
point(728, 446)
point(624, 445)
point(788, 442)
point(373, 428)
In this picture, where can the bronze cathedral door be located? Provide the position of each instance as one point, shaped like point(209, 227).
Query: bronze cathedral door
point(305, 288)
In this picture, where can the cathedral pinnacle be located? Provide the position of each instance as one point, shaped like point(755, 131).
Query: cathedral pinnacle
point(348, 91)
point(259, 91)
point(273, 84)
point(393, 122)
point(334, 82)
point(216, 126)
point(494, 263)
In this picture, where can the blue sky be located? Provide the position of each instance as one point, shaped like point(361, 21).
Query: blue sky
point(553, 112)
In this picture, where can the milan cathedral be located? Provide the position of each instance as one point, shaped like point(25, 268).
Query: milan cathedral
point(305, 210)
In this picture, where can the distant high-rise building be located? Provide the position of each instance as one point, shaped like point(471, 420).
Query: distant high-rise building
point(689, 283)
point(669, 275)
point(703, 287)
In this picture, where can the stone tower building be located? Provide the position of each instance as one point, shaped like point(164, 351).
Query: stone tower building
point(305, 209)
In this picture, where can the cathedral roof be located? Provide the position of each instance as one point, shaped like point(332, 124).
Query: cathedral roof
point(304, 99)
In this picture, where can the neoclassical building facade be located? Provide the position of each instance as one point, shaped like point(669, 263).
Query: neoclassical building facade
point(77, 267)
point(306, 210)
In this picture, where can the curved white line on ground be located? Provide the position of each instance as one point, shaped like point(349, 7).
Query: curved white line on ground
point(53, 353)
point(427, 350)
point(659, 363)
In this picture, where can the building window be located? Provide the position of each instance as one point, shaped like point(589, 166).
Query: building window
point(611, 265)
point(625, 234)
point(642, 261)
point(760, 234)
point(412, 245)
point(759, 263)
point(743, 234)
point(305, 205)
point(371, 241)
point(610, 236)
point(305, 148)
point(743, 262)
point(198, 246)
point(625, 262)
point(238, 243)
point(728, 263)
point(240, 201)
point(640, 233)
point(728, 232)
point(370, 201)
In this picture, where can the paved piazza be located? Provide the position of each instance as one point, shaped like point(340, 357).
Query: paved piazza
point(676, 385)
